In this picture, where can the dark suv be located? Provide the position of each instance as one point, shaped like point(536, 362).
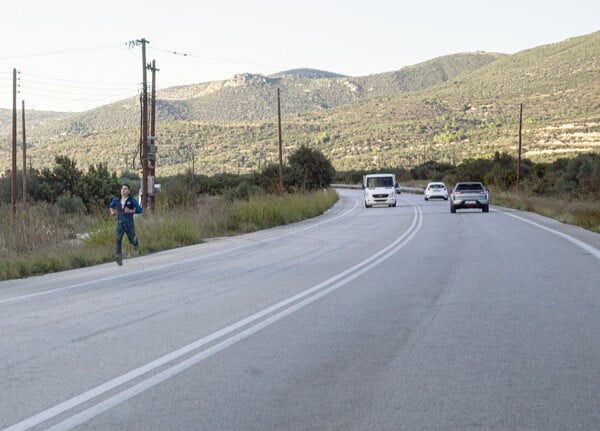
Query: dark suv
point(469, 195)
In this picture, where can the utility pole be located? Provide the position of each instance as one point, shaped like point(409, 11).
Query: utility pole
point(519, 157)
point(152, 146)
point(13, 194)
point(24, 157)
point(144, 137)
point(139, 150)
point(144, 126)
point(280, 144)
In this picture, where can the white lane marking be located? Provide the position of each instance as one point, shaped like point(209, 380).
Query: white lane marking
point(60, 289)
point(282, 309)
point(162, 267)
point(592, 250)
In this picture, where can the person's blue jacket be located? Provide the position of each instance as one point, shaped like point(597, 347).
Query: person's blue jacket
point(130, 203)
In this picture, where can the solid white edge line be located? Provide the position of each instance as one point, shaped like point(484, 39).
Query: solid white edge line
point(592, 250)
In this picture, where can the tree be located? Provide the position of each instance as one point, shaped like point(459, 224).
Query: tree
point(97, 187)
point(63, 179)
point(310, 169)
point(268, 179)
point(473, 170)
point(69, 187)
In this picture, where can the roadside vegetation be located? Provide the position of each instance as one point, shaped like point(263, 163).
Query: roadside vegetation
point(66, 223)
point(73, 229)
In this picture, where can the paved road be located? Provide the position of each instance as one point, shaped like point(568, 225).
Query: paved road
point(406, 318)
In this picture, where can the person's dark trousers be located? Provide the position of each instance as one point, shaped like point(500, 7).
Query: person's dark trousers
point(124, 228)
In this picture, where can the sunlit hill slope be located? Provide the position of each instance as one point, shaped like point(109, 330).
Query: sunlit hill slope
point(445, 109)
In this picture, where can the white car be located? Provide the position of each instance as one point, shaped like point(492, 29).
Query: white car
point(436, 190)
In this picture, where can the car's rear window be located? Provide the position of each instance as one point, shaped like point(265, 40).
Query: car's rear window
point(436, 186)
point(469, 186)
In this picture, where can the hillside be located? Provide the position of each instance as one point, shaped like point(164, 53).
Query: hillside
point(445, 109)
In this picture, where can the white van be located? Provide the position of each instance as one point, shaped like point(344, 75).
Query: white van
point(380, 189)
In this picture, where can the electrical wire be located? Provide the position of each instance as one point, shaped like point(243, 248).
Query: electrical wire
point(72, 93)
point(213, 59)
point(69, 93)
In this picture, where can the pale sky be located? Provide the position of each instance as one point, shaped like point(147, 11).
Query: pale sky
point(72, 55)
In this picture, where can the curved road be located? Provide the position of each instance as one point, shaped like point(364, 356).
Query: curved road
point(406, 318)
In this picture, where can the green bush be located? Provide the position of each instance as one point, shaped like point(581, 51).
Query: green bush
point(310, 169)
point(243, 191)
point(70, 204)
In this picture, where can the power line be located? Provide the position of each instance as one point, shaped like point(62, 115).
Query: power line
point(214, 59)
point(71, 82)
point(72, 92)
point(40, 91)
point(83, 93)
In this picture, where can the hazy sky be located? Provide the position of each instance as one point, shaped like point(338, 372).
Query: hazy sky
point(72, 55)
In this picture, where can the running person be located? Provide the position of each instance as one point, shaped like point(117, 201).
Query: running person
point(125, 207)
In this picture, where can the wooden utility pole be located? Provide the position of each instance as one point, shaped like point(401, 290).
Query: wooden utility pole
point(13, 194)
point(144, 155)
point(140, 151)
point(280, 144)
point(519, 157)
point(152, 148)
point(24, 157)
point(144, 122)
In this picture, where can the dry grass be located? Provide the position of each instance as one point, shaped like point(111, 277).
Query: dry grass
point(579, 212)
point(41, 239)
point(36, 227)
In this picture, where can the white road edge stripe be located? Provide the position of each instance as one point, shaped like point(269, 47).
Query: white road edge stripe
point(592, 250)
point(282, 309)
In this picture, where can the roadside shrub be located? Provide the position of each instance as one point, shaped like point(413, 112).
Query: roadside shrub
point(70, 204)
point(243, 191)
point(177, 194)
point(504, 179)
point(310, 169)
point(431, 170)
point(268, 178)
point(473, 170)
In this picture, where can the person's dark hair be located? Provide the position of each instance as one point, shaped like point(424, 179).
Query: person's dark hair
point(125, 184)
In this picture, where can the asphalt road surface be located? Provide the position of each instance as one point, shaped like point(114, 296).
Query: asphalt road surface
point(406, 318)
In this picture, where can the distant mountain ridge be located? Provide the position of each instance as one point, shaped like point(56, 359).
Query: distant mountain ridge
point(447, 108)
point(307, 73)
point(250, 97)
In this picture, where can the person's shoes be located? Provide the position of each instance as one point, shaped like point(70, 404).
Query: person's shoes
point(119, 260)
point(136, 247)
